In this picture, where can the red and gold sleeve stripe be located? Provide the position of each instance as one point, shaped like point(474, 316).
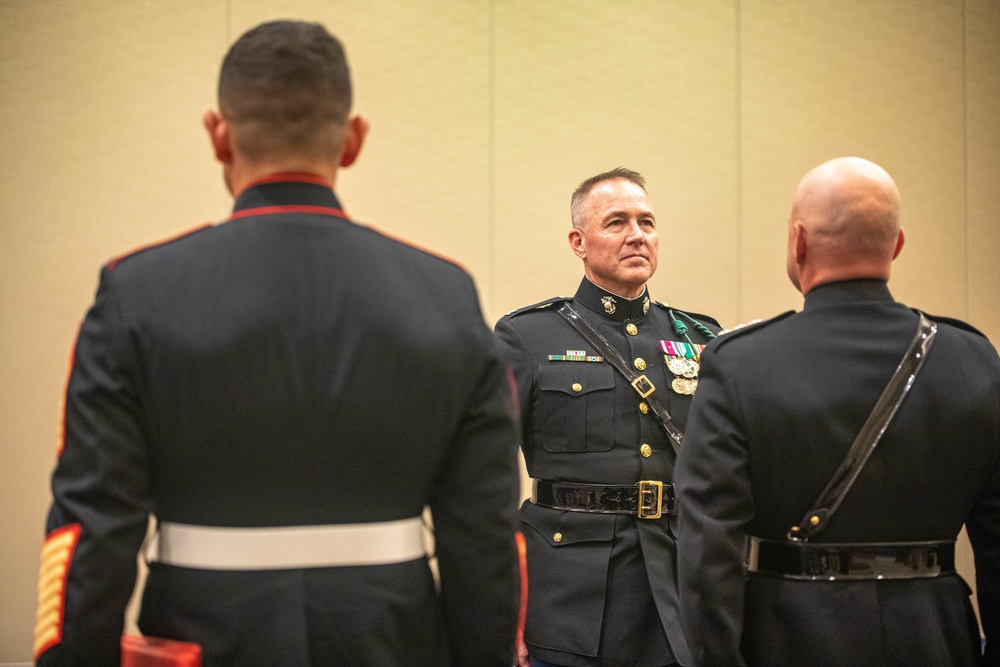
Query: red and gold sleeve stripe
point(57, 552)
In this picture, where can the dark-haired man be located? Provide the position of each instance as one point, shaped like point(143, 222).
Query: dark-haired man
point(285, 391)
point(601, 551)
point(851, 565)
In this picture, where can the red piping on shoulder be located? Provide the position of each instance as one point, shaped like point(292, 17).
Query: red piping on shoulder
point(119, 258)
point(418, 247)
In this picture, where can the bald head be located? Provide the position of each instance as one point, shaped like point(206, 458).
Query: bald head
point(844, 223)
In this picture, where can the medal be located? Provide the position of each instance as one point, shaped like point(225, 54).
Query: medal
point(682, 360)
point(684, 385)
point(682, 366)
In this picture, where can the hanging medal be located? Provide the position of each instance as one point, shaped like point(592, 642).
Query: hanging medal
point(682, 360)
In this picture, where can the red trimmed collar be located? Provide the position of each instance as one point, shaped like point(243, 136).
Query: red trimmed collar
point(292, 177)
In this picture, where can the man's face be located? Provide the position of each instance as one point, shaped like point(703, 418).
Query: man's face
point(617, 241)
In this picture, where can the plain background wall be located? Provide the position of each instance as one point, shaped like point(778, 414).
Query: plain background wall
point(485, 115)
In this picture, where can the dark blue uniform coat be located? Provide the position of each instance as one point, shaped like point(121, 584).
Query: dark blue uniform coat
point(287, 367)
point(778, 407)
point(603, 591)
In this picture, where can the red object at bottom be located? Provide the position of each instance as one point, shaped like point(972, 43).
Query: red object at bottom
point(139, 651)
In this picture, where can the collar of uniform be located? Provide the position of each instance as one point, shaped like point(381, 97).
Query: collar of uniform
point(848, 291)
point(593, 298)
point(284, 190)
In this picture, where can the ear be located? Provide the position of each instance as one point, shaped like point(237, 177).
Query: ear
point(354, 138)
point(218, 134)
point(800, 243)
point(578, 243)
point(899, 243)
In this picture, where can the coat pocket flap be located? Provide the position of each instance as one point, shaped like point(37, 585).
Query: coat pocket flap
point(561, 528)
point(576, 379)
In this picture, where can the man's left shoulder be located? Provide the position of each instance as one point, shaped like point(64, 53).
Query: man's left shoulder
point(958, 324)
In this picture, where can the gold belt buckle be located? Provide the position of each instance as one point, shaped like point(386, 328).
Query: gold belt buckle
point(647, 386)
point(648, 488)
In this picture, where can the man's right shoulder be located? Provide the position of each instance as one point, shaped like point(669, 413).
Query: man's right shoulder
point(541, 306)
point(740, 331)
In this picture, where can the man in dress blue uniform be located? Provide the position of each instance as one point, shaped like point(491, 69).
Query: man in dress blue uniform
point(779, 406)
point(286, 391)
point(599, 531)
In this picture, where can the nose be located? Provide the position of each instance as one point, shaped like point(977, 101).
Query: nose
point(635, 234)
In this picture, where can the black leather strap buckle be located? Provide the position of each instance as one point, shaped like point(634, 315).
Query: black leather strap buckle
point(649, 499)
point(642, 385)
point(818, 561)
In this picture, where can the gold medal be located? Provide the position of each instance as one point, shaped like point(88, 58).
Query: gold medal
point(682, 366)
point(684, 385)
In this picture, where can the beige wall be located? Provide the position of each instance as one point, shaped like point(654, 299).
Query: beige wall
point(485, 115)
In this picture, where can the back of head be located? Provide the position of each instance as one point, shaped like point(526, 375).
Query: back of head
point(849, 204)
point(285, 89)
point(577, 201)
point(844, 224)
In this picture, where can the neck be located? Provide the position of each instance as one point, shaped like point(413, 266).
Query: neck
point(240, 174)
point(621, 291)
point(814, 277)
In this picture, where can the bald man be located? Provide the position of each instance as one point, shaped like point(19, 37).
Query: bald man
point(778, 407)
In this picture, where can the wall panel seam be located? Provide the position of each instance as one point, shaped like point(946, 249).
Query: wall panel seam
point(965, 161)
point(491, 175)
point(739, 288)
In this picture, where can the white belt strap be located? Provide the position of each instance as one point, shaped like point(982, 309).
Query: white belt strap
point(287, 547)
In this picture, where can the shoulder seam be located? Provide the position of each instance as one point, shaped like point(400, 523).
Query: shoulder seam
point(738, 331)
point(537, 306)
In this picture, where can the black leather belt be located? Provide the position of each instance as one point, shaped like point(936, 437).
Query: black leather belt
point(855, 561)
point(646, 500)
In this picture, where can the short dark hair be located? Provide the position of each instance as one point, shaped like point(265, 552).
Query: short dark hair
point(283, 85)
point(581, 192)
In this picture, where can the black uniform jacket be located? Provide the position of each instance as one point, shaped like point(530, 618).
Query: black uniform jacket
point(287, 367)
point(601, 586)
point(778, 407)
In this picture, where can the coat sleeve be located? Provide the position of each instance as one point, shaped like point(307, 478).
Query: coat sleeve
point(101, 499)
point(983, 526)
point(516, 355)
point(474, 506)
point(716, 504)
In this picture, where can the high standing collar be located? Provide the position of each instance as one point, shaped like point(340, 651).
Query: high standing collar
point(288, 193)
point(607, 304)
point(848, 291)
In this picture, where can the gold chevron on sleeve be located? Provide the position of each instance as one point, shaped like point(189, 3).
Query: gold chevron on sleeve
point(56, 555)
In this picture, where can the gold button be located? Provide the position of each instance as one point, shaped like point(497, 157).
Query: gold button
point(643, 407)
point(814, 520)
point(646, 451)
point(640, 363)
point(557, 537)
point(577, 386)
point(631, 329)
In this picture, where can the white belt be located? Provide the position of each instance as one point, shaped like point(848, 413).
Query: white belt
point(287, 547)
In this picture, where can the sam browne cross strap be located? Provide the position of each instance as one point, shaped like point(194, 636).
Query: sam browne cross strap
point(640, 383)
point(799, 559)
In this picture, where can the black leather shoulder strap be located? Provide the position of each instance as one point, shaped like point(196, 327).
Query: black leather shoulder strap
point(818, 518)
